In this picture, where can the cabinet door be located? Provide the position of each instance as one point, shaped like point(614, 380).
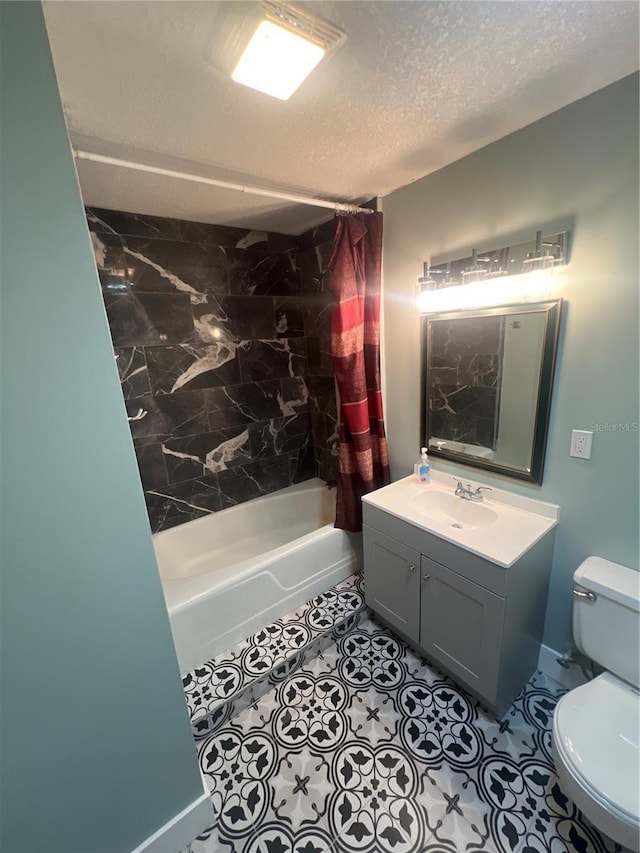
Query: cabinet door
point(461, 626)
point(392, 581)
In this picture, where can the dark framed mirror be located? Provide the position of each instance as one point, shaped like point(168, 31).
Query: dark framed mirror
point(487, 379)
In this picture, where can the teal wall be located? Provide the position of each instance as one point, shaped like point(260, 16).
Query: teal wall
point(96, 748)
point(577, 167)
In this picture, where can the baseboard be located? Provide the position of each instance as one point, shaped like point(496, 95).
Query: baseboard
point(181, 829)
point(548, 663)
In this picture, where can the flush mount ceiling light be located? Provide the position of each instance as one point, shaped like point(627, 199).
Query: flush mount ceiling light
point(286, 46)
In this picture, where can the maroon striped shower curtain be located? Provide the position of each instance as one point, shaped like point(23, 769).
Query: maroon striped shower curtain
point(356, 266)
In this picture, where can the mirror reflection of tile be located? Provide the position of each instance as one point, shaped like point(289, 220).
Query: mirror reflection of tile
point(483, 384)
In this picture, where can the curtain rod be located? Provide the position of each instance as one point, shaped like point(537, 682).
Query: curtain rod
point(338, 207)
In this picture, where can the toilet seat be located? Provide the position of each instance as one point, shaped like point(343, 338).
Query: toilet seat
point(595, 733)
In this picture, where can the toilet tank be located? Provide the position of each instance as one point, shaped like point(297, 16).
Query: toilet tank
point(606, 621)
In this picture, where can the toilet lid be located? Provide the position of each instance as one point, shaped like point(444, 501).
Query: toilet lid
point(596, 727)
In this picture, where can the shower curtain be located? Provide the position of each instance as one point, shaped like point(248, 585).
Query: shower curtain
point(356, 266)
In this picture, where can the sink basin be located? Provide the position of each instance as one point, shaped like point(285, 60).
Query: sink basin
point(500, 529)
point(449, 509)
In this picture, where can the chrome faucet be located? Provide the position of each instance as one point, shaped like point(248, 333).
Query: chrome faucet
point(467, 493)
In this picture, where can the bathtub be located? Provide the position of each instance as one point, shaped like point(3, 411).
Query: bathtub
point(230, 574)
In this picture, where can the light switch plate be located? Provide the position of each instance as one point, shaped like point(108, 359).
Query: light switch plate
point(581, 443)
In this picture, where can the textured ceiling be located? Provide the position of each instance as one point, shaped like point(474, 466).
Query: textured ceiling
point(416, 86)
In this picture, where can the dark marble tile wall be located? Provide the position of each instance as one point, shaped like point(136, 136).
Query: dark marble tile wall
point(222, 340)
point(315, 252)
point(464, 371)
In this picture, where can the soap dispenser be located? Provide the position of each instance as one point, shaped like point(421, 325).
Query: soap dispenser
point(422, 469)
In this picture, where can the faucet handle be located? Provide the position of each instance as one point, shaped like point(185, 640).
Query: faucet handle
point(459, 486)
point(477, 495)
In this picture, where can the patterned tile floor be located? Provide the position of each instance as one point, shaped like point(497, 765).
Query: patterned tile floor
point(237, 678)
point(368, 749)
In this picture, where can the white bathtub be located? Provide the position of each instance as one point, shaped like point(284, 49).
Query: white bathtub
point(230, 574)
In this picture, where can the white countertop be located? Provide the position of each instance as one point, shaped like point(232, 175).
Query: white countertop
point(521, 521)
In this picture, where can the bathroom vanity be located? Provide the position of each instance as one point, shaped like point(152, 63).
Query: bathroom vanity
point(464, 582)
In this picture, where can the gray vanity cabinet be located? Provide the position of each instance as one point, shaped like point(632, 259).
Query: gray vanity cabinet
point(478, 621)
point(461, 625)
point(398, 601)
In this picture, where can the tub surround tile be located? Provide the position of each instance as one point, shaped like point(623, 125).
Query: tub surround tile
point(281, 435)
point(153, 472)
point(294, 396)
point(149, 318)
point(325, 430)
point(289, 313)
point(275, 359)
point(302, 465)
point(165, 511)
point(247, 403)
point(195, 268)
point(208, 453)
point(252, 480)
point(240, 481)
point(235, 318)
point(184, 501)
point(226, 236)
point(327, 462)
point(253, 402)
point(314, 262)
point(142, 269)
point(318, 308)
point(320, 358)
point(255, 273)
point(312, 275)
point(278, 243)
point(321, 235)
point(168, 415)
point(108, 247)
point(102, 221)
point(323, 394)
point(248, 267)
point(188, 367)
point(328, 758)
point(132, 370)
point(218, 328)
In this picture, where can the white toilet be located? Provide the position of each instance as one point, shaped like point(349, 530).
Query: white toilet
point(596, 726)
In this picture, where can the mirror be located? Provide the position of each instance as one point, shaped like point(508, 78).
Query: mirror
point(486, 390)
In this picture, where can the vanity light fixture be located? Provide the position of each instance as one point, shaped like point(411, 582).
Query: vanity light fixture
point(432, 279)
point(518, 273)
point(286, 46)
point(547, 255)
point(524, 287)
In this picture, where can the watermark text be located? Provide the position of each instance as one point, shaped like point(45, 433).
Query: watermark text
point(620, 426)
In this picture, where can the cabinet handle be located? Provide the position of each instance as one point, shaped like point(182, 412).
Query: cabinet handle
point(425, 577)
point(411, 568)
